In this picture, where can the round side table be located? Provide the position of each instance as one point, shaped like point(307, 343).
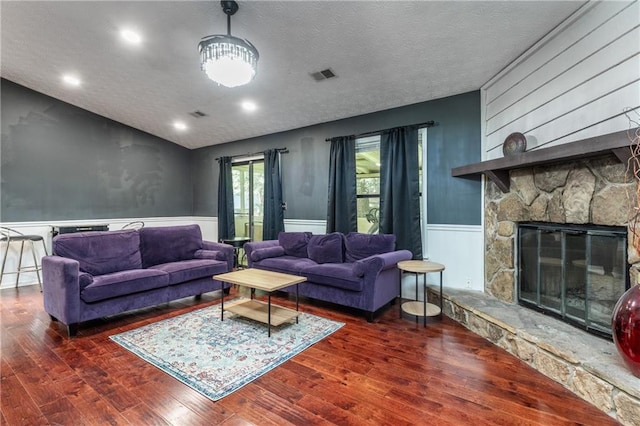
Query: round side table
point(237, 243)
point(416, 307)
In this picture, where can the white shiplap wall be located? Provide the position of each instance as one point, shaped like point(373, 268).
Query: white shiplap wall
point(573, 84)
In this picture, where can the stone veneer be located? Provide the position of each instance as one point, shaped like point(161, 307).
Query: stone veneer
point(597, 191)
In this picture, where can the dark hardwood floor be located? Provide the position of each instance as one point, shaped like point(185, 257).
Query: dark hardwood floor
point(390, 372)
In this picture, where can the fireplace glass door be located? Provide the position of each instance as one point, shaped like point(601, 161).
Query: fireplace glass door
point(573, 271)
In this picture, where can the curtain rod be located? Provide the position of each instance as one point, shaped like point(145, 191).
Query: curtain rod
point(429, 123)
point(250, 154)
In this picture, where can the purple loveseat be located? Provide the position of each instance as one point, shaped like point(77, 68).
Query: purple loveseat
point(97, 274)
point(355, 270)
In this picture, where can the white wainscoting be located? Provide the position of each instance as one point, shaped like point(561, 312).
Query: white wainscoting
point(573, 84)
point(302, 225)
point(460, 248)
point(207, 224)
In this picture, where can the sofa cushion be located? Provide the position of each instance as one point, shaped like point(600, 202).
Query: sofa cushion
point(326, 248)
point(358, 246)
point(267, 252)
point(294, 243)
point(285, 264)
point(187, 270)
point(338, 275)
point(101, 252)
point(166, 244)
point(123, 283)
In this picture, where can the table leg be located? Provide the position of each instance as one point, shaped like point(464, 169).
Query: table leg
point(424, 290)
point(222, 304)
point(416, 274)
point(269, 315)
point(441, 313)
point(400, 292)
point(297, 296)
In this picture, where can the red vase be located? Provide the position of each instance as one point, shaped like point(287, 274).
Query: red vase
point(626, 328)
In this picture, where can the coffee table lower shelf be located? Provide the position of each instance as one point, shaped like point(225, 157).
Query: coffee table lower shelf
point(259, 311)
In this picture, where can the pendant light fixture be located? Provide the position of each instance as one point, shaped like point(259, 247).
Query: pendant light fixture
point(227, 60)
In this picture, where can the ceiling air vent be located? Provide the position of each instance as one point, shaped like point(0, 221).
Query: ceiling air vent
point(323, 75)
point(197, 114)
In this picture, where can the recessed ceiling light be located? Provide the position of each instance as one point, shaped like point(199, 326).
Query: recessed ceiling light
point(130, 36)
point(249, 106)
point(71, 80)
point(179, 125)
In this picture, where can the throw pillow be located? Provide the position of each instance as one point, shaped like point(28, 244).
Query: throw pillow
point(267, 252)
point(326, 248)
point(358, 246)
point(294, 243)
point(209, 254)
point(84, 279)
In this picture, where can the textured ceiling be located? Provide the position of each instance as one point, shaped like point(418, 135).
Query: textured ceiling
point(385, 54)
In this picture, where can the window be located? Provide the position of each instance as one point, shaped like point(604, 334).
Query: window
point(248, 190)
point(368, 183)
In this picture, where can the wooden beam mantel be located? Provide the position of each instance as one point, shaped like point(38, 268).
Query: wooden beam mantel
point(497, 170)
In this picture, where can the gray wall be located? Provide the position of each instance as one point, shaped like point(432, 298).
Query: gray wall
point(455, 141)
point(60, 162)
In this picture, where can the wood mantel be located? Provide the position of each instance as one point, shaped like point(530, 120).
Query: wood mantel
point(497, 170)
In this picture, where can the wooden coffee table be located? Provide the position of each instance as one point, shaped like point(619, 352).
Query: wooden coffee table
point(254, 309)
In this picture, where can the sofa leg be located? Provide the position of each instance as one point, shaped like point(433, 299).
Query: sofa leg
point(198, 296)
point(53, 319)
point(369, 316)
point(72, 329)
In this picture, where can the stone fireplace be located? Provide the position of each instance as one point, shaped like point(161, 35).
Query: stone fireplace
point(597, 191)
point(579, 183)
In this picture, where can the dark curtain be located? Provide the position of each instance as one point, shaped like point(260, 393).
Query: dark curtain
point(273, 218)
point(342, 204)
point(400, 188)
point(226, 222)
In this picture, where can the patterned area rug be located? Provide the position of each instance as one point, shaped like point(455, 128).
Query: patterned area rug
point(218, 357)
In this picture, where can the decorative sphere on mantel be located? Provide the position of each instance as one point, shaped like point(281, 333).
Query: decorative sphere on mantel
point(626, 328)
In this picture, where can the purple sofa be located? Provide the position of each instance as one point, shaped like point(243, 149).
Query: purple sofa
point(355, 270)
point(97, 274)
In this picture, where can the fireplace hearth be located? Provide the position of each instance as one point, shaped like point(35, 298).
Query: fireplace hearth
point(575, 272)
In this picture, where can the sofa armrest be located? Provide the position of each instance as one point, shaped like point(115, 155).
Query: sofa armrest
point(61, 288)
point(380, 262)
point(256, 245)
point(392, 258)
point(226, 250)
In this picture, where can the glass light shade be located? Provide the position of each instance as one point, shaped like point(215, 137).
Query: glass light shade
point(228, 60)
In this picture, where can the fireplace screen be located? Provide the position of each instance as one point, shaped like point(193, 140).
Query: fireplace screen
point(576, 272)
